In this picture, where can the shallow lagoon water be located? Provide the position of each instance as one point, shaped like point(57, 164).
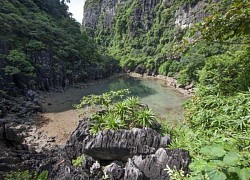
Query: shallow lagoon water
point(165, 101)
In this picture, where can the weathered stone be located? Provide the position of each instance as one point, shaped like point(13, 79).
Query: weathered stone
point(114, 171)
point(12, 133)
point(113, 145)
point(132, 172)
point(153, 166)
point(165, 140)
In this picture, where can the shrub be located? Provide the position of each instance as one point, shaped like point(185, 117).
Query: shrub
point(164, 68)
point(216, 133)
point(79, 161)
point(227, 73)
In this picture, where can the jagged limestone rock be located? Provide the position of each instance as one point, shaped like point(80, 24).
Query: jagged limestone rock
point(132, 172)
point(114, 144)
point(114, 171)
point(153, 166)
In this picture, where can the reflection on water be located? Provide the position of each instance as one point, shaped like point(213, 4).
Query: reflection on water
point(164, 101)
point(135, 86)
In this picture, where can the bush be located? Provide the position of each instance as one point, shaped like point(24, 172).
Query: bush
point(184, 77)
point(173, 68)
point(27, 175)
point(216, 133)
point(227, 73)
point(164, 68)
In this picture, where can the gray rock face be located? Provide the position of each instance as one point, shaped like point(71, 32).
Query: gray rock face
point(104, 12)
point(95, 11)
point(187, 16)
point(121, 144)
point(132, 172)
point(153, 166)
point(114, 171)
point(114, 145)
point(17, 158)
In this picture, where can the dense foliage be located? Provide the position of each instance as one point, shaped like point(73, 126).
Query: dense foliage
point(217, 122)
point(42, 38)
point(149, 35)
point(41, 42)
point(214, 55)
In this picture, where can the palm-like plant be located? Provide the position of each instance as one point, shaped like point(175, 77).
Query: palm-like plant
point(121, 110)
point(132, 103)
point(112, 121)
point(145, 118)
point(97, 124)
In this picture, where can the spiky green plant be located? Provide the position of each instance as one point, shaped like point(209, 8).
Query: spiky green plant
point(145, 118)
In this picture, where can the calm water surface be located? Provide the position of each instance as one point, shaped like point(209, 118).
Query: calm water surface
point(166, 102)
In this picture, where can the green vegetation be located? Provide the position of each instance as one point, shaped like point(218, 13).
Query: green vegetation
point(124, 114)
point(155, 42)
point(216, 133)
point(216, 128)
point(79, 161)
point(27, 175)
point(43, 41)
point(214, 55)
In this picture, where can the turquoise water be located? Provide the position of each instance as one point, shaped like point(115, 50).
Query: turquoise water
point(166, 102)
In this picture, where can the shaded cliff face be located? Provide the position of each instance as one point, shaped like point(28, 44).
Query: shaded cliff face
point(103, 12)
point(100, 11)
point(142, 31)
point(41, 47)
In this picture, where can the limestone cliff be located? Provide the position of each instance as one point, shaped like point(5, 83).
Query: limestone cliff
point(43, 47)
point(142, 31)
point(104, 12)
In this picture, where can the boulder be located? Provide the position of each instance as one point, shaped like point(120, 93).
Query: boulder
point(132, 172)
point(114, 171)
point(153, 166)
point(114, 144)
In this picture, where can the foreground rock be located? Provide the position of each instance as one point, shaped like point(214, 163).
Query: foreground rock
point(116, 155)
point(154, 166)
point(114, 145)
point(125, 154)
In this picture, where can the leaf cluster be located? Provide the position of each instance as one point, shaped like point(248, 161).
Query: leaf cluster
point(27, 175)
point(79, 161)
point(216, 132)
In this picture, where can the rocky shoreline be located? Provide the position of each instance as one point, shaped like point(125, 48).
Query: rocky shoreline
point(169, 82)
point(25, 148)
point(123, 155)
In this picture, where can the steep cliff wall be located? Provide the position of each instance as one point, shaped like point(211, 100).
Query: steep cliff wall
point(142, 31)
point(41, 47)
point(105, 12)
